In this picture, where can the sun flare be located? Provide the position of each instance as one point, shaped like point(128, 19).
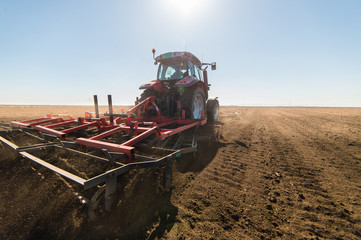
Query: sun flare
point(185, 7)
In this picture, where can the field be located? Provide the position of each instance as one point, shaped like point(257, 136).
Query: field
point(278, 173)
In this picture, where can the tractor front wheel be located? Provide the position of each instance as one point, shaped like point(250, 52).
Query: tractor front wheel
point(150, 113)
point(147, 93)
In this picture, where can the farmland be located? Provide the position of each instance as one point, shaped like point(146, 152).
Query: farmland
point(287, 173)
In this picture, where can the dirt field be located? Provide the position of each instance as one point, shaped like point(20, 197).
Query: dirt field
point(278, 173)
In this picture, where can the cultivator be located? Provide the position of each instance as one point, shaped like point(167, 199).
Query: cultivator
point(122, 141)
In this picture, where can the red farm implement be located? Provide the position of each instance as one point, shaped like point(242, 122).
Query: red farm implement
point(125, 141)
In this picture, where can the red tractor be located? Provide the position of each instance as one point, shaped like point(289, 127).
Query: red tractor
point(181, 87)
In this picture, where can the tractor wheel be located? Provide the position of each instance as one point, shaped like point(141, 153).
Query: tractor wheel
point(194, 102)
point(147, 93)
point(212, 110)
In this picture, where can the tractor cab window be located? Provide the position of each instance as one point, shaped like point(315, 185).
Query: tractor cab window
point(191, 69)
point(172, 71)
point(197, 73)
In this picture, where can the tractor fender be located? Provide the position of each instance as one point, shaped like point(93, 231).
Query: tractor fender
point(155, 84)
point(187, 82)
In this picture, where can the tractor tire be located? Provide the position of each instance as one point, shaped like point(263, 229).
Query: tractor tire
point(147, 93)
point(194, 102)
point(212, 110)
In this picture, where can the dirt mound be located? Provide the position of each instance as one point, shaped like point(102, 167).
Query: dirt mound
point(289, 173)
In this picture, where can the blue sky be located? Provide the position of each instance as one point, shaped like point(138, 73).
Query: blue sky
point(268, 52)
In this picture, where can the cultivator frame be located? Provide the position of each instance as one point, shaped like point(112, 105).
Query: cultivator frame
point(56, 132)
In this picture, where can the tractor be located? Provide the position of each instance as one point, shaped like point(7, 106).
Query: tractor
point(181, 86)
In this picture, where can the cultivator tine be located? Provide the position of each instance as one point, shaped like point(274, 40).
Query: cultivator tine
point(178, 142)
point(194, 141)
point(114, 156)
point(168, 175)
point(60, 142)
point(108, 156)
point(165, 142)
point(152, 142)
point(110, 193)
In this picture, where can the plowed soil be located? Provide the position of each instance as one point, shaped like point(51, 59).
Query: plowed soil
point(277, 173)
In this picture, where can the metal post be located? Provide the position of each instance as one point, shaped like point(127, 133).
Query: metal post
point(110, 108)
point(96, 106)
point(110, 193)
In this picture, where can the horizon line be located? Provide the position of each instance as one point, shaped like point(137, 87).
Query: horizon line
point(127, 105)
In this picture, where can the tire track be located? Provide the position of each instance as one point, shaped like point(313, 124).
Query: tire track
point(323, 211)
point(233, 177)
point(268, 180)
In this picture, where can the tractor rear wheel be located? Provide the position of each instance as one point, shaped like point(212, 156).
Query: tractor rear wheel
point(194, 102)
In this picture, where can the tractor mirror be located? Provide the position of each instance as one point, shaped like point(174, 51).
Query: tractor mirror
point(213, 65)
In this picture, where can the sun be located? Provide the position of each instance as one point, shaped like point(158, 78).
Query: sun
point(186, 8)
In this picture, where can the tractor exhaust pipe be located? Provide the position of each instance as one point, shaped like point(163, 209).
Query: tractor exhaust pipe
point(110, 104)
point(96, 106)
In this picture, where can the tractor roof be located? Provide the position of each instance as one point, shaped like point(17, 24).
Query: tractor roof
point(171, 56)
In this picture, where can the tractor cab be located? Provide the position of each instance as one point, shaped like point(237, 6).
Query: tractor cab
point(178, 65)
